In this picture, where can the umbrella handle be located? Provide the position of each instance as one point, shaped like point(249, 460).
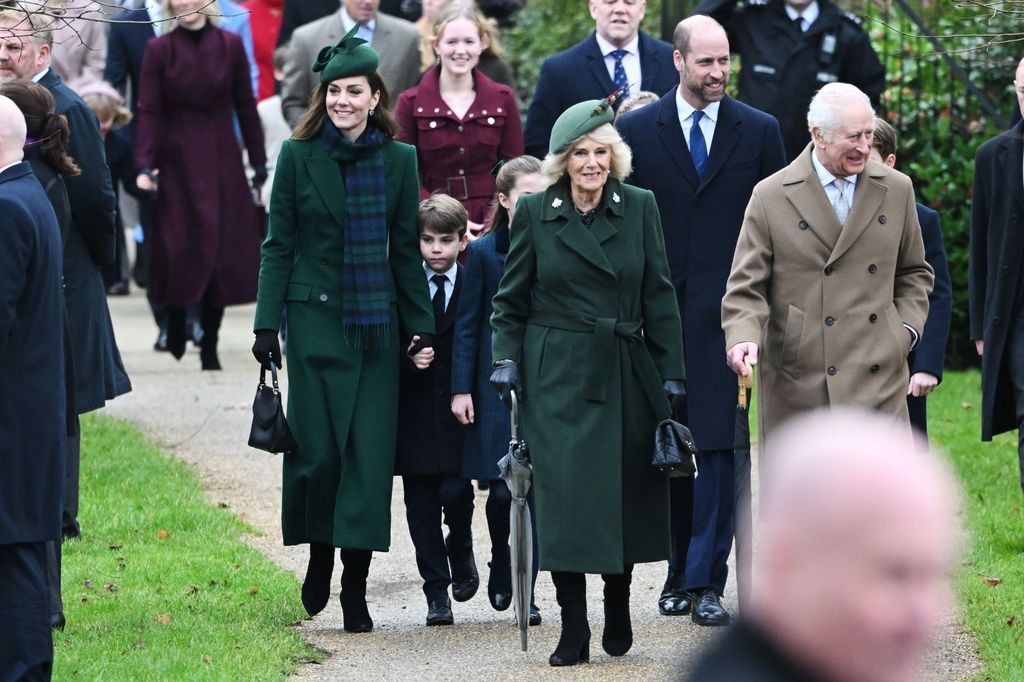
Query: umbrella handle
point(514, 414)
point(746, 383)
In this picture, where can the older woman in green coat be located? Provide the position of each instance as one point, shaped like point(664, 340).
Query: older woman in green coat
point(586, 324)
point(342, 252)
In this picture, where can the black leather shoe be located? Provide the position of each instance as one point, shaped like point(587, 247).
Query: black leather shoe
point(535, 618)
point(708, 609)
point(439, 612)
point(499, 583)
point(465, 579)
point(674, 599)
point(57, 621)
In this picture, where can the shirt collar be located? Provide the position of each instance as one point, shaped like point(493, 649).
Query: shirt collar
point(10, 165)
point(823, 173)
point(685, 109)
point(39, 76)
point(809, 14)
point(632, 47)
point(449, 274)
point(348, 22)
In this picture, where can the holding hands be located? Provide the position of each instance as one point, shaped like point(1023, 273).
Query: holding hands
point(420, 351)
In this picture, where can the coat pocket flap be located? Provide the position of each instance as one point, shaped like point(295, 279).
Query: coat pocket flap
point(298, 292)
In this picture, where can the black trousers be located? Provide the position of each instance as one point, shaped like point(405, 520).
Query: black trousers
point(1015, 358)
point(26, 642)
point(426, 499)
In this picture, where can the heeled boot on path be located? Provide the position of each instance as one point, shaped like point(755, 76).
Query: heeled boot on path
point(574, 643)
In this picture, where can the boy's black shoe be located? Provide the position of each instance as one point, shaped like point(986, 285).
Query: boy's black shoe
point(439, 612)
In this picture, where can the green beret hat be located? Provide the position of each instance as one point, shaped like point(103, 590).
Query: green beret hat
point(350, 57)
point(580, 119)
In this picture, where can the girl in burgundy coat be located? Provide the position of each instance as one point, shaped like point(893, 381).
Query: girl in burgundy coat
point(207, 233)
point(460, 121)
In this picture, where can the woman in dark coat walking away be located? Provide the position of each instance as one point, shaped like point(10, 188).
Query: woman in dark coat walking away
point(460, 121)
point(474, 402)
point(587, 310)
point(206, 229)
point(342, 250)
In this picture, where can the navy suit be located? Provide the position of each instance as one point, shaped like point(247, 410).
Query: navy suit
point(701, 218)
point(579, 74)
point(931, 350)
point(428, 456)
point(33, 431)
point(126, 44)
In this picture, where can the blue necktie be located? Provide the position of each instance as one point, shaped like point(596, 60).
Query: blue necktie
point(698, 148)
point(621, 81)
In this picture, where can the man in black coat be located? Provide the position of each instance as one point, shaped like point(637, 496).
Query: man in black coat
point(997, 242)
point(617, 53)
point(701, 214)
point(789, 49)
point(32, 407)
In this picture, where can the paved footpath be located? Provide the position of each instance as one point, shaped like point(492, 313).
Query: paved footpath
point(203, 419)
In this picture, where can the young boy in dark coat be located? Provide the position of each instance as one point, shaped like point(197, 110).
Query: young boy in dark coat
point(429, 450)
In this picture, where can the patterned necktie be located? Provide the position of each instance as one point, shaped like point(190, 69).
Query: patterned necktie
point(621, 81)
point(698, 147)
point(438, 299)
point(842, 201)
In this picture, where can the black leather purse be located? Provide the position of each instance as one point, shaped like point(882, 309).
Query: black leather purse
point(675, 453)
point(269, 430)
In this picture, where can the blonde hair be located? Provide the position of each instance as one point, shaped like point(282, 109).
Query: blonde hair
point(467, 9)
point(212, 12)
point(553, 166)
point(638, 100)
point(39, 26)
point(105, 102)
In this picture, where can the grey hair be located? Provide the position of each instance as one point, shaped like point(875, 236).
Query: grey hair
point(828, 103)
point(553, 166)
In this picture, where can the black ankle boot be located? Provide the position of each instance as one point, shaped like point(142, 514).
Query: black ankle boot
point(176, 331)
point(618, 629)
point(574, 643)
point(316, 588)
point(355, 615)
point(210, 319)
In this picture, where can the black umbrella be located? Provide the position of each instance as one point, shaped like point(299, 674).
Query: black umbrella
point(744, 531)
point(517, 473)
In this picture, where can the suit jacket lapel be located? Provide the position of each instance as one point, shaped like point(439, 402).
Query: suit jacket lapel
point(867, 198)
point(670, 132)
point(597, 66)
point(448, 319)
point(804, 191)
point(1011, 158)
point(650, 64)
point(727, 134)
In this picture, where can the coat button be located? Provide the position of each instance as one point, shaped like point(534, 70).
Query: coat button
point(832, 371)
point(872, 268)
point(829, 321)
point(462, 171)
point(1013, 218)
point(996, 321)
point(872, 318)
point(461, 128)
point(1006, 269)
point(323, 298)
point(433, 124)
point(828, 270)
point(882, 219)
point(324, 261)
point(874, 369)
point(462, 150)
point(803, 224)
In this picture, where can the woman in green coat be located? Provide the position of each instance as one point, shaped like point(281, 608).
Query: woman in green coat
point(342, 252)
point(586, 323)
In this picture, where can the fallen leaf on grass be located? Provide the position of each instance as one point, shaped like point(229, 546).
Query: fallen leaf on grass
point(1017, 638)
point(206, 660)
point(114, 548)
point(967, 406)
point(192, 590)
point(139, 644)
point(162, 534)
point(992, 582)
point(111, 587)
point(1013, 622)
point(87, 583)
point(254, 590)
point(164, 618)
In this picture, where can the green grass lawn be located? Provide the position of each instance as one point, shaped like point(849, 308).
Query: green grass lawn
point(162, 587)
point(991, 584)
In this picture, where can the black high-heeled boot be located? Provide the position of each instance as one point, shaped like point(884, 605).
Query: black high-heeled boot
point(618, 628)
point(355, 615)
point(316, 588)
point(210, 320)
point(574, 643)
point(176, 331)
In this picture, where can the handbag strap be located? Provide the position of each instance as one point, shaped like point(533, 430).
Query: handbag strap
point(273, 377)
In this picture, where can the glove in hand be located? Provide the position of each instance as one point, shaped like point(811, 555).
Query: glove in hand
point(504, 379)
point(267, 347)
point(675, 391)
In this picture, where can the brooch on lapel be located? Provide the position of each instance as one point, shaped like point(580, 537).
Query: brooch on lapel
point(556, 203)
point(615, 197)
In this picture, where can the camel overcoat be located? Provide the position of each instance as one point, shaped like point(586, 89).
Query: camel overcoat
point(591, 316)
point(342, 401)
point(825, 303)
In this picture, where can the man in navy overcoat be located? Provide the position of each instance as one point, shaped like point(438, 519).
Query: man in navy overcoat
point(701, 213)
point(587, 70)
point(33, 433)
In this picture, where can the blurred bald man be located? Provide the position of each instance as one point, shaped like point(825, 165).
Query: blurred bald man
point(859, 536)
point(32, 406)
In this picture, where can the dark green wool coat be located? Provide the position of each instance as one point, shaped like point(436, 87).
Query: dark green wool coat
point(591, 316)
point(342, 402)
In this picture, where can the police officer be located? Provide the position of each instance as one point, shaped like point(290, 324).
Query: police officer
point(789, 49)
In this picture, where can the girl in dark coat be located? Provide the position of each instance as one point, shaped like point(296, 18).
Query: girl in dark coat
point(474, 402)
point(460, 121)
point(206, 229)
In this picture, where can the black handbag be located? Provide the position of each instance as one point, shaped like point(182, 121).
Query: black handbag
point(675, 453)
point(269, 431)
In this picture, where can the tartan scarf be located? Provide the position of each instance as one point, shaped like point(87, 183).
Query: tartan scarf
point(366, 278)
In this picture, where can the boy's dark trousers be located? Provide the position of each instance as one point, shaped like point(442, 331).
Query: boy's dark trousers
point(425, 499)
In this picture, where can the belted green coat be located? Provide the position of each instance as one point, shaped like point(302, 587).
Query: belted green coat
point(342, 402)
point(591, 317)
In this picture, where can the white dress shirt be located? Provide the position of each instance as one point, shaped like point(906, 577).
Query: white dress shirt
point(449, 285)
point(631, 62)
point(707, 122)
point(365, 32)
point(831, 191)
point(807, 17)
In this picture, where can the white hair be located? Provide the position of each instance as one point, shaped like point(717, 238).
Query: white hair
point(828, 103)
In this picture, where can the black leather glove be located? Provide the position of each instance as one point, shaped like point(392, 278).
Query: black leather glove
point(259, 177)
point(675, 391)
point(504, 379)
point(267, 347)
